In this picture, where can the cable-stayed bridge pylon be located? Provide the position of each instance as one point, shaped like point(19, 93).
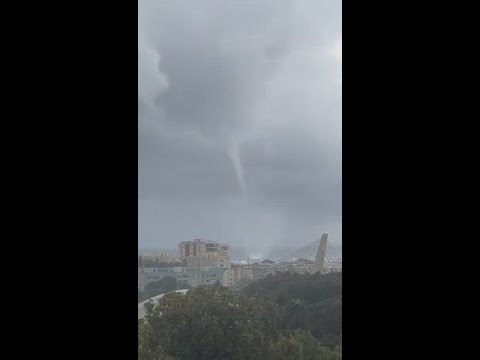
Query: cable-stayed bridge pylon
point(321, 254)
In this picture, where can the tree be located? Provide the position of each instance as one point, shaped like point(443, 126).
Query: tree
point(166, 284)
point(209, 323)
point(311, 302)
point(300, 318)
point(296, 313)
point(301, 345)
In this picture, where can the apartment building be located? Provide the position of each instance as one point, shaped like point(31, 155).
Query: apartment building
point(235, 274)
point(202, 253)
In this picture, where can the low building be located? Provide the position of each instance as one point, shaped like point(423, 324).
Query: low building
point(200, 277)
point(333, 266)
point(148, 275)
point(235, 274)
point(184, 276)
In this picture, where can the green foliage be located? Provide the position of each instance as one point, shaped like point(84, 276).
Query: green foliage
point(311, 302)
point(311, 288)
point(181, 286)
point(301, 345)
point(209, 323)
point(283, 317)
point(166, 284)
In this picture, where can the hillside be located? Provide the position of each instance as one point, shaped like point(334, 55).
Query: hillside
point(310, 302)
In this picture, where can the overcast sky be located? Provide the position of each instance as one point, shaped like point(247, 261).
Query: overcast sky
point(239, 106)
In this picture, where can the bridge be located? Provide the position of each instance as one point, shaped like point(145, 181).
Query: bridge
point(322, 256)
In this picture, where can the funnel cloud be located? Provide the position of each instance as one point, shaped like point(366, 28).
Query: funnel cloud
point(239, 106)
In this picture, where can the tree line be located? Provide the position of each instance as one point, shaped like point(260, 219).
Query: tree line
point(162, 286)
point(283, 317)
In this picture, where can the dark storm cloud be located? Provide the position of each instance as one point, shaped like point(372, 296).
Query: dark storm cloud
point(239, 121)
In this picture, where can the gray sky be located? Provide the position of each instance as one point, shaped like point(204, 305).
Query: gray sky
point(239, 106)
